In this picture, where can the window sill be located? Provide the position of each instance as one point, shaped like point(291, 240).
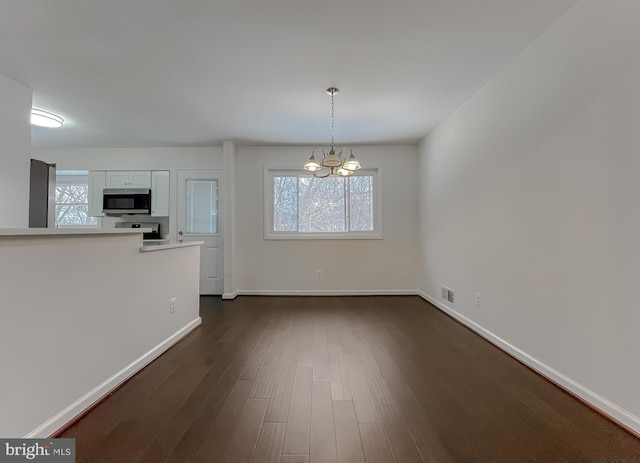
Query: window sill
point(324, 236)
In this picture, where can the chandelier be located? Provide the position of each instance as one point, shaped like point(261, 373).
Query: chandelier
point(332, 163)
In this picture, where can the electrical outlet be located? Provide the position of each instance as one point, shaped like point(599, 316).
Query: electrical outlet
point(172, 305)
point(478, 300)
point(318, 273)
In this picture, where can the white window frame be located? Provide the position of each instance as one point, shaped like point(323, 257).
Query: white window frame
point(75, 178)
point(269, 234)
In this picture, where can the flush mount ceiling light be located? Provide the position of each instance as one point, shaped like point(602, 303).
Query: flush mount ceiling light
point(332, 163)
point(45, 118)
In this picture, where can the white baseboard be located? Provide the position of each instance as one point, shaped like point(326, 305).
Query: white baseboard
point(232, 295)
point(67, 415)
point(328, 292)
point(613, 411)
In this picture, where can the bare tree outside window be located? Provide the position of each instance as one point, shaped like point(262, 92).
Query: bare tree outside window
point(306, 204)
point(321, 204)
point(361, 203)
point(72, 206)
point(285, 203)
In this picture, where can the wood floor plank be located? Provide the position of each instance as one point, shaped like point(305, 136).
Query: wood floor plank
point(340, 388)
point(400, 439)
point(322, 448)
point(269, 370)
point(375, 378)
point(305, 352)
point(215, 441)
point(269, 446)
point(431, 425)
point(245, 436)
point(281, 397)
point(141, 425)
point(364, 403)
point(423, 387)
point(294, 459)
point(296, 438)
point(320, 354)
point(348, 440)
point(185, 431)
point(375, 443)
point(252, 368)
point(293, 341)
point(143, 388)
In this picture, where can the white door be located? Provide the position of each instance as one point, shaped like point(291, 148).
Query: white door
point(199, 220)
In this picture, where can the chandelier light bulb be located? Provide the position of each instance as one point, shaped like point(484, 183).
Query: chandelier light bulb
point(343, 172)
point(312, 165)
point(352, 163)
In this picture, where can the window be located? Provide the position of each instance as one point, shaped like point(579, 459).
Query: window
point(299, 205)
point(202, 207)
point(72, 201)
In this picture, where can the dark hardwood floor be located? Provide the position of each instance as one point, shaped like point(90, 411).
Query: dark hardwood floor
point(341, 379)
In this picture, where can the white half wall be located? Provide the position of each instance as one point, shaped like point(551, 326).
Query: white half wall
point(530, 196)
point(15, 152)
point(80, 314)
point(349, 266)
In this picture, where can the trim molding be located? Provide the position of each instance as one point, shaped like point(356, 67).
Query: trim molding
point(611, 410)
point(84, 403)
point(326, 292)
point(232, 295)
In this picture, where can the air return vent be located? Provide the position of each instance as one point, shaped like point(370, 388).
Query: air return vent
point(447, 294)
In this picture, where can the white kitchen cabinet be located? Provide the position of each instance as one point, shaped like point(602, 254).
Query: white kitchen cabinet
point(97, 182)
point(160, 193)
point(128, 179)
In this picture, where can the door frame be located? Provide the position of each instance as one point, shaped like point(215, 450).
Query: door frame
point(217, 174)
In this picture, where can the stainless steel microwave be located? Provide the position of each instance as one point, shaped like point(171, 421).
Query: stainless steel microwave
point(118, 201)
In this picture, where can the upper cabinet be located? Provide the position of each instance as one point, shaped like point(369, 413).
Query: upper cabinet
point(97, 182)
point(160, 193)
point(157, 181)
point(128, 179)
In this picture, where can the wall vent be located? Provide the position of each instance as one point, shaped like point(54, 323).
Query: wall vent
point(447, 294)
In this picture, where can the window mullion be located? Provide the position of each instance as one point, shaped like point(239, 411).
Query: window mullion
point(297, 203)
point(347, 215)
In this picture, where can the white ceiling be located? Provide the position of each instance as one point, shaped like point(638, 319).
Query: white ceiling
point(196, 72)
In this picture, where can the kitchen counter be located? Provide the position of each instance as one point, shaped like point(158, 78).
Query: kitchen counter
point(160, 246)
point(147, 245)
point(70, 231)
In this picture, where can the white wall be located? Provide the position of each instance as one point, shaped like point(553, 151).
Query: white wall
point(79, 315)
point(372, 266)
point(530, 195)
point(171, 159)
point(209, 157)
point(229, 217)
point(15, 152)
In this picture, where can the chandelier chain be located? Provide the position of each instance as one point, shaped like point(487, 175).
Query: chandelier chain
point(332, 119)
